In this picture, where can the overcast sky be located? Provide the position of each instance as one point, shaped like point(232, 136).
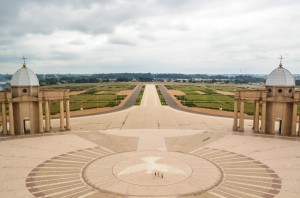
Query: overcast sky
point(159, 36)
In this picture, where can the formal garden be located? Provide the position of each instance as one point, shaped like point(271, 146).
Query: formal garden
point(92, 95)
point(209, 96)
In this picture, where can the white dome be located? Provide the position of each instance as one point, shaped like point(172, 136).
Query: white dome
point(24, 77)
point(280, 77)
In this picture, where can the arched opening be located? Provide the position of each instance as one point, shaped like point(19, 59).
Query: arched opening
point(26, 123)
point(278, 126)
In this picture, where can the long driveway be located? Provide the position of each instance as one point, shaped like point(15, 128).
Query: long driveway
point(152, 115)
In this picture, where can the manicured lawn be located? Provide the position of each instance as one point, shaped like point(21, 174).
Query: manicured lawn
point(140, 96)
point(210, 98)
point(161, 97)
point(92, 95)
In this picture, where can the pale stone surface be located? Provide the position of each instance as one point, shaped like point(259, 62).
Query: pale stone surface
point(152, 115)
point(134, 173)
point(19, 156)
point(253, 166)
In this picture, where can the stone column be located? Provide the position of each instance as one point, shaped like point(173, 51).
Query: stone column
point(235, 116)
point(68, 125)
point(294, 119)
point(241, 123)
point(41, 125)
point(62, 113)
point(47, 116)
point(263, 117)
point(254, 109)
point(4, 121)
point(32, 129)
point(256, 117)
point(299, 126)
point(11, 119)
point(49, 104)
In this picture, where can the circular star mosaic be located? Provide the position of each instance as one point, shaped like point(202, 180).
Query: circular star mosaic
point(152, 172)
point(98, 172)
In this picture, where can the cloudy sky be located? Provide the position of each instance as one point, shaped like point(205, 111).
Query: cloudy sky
point(160, 36)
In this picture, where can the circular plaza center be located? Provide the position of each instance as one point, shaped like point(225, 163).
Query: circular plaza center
point(153, 170)
point(148, 172)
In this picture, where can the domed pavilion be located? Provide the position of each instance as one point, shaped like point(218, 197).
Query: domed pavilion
point(278, 105)
point(28, 107)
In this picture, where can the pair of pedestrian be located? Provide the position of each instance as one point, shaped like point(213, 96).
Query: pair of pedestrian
point(156, 174)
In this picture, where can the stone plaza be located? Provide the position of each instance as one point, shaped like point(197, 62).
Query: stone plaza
point(119, 154)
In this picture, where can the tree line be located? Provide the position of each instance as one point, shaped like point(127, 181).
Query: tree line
point(51, 79)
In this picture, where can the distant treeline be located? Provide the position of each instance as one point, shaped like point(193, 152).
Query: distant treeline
point(49, 79)
point(165, 76)
point(148, 77)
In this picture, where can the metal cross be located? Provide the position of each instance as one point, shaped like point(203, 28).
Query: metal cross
point(280, 65)
point(24, 64)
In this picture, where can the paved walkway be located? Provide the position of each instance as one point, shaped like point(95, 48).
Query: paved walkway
point(151, 115)
point(198, 155)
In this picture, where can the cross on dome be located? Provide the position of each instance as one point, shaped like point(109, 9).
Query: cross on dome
point(280, 64)
point(24, 64)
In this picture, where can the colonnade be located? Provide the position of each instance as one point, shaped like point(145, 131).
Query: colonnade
point(259, 122)
point(11, 130)
point(64, 117)
point(64, 121)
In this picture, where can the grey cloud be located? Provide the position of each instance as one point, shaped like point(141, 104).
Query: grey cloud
point(118, 40)
point(77, 41)
point(211, 33)
point(62, 56)
point(92, 17)
point(45, 17)
point(9, 58)
point(146, 36)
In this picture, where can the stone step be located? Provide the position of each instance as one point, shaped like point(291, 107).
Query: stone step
point(59, 162)
point(52, 165)
point(73, 158)
point(46, 182)
point(85, 153)
point(79, 156)
point(73, 191)
point(81, 193)
point(49, 178)
point(57, 190)
point(51, 186)
point(248, 189)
